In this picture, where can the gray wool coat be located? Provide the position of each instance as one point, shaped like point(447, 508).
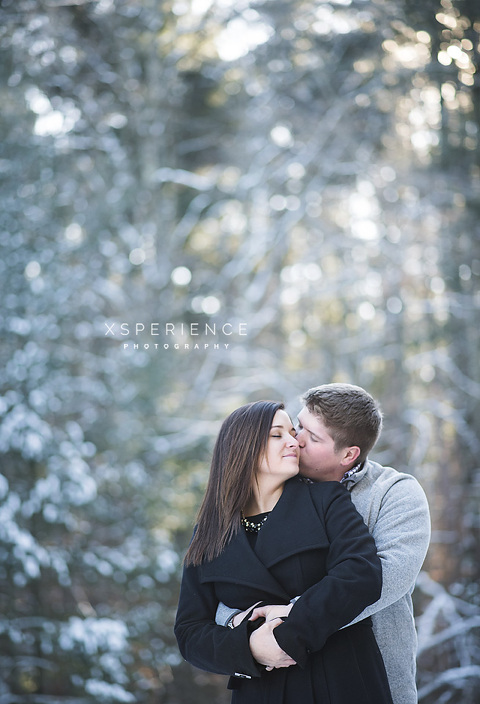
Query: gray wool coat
point(395, 509)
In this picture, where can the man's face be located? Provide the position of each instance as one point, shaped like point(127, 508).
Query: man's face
point(318, 459)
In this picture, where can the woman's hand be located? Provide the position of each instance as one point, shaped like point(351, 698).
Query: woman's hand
point(271, 612)
point(265, 648)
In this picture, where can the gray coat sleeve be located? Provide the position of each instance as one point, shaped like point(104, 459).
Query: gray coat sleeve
point(224, 614)
point(399, 521)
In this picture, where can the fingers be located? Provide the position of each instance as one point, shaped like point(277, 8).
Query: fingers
point(271, 611)
point(238, 618)
point(265, 648)
point(259, 612)
point(286, 662)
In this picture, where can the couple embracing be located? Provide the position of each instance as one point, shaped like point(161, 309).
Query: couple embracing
point(299, 586)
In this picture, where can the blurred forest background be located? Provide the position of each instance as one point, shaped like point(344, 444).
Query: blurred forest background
point(309, 168)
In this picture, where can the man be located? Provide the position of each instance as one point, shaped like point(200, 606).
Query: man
point(337, 428)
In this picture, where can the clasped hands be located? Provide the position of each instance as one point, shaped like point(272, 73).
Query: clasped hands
point(263, 644)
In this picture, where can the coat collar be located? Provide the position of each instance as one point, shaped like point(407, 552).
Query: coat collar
point(350, 482)
point(293, 526)
point(239, 564)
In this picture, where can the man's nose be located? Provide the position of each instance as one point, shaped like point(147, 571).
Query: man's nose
point(300, 437)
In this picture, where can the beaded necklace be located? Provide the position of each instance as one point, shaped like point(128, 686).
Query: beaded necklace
point(253, 526)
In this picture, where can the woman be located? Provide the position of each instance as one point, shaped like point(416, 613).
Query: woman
point(264, 535)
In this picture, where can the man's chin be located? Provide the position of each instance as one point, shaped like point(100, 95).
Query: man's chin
point(306, 473)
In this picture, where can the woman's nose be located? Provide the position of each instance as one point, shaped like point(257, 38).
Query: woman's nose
point(292, 442)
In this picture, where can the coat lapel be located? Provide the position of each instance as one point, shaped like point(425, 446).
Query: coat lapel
point(293, 526)
point(239, 564)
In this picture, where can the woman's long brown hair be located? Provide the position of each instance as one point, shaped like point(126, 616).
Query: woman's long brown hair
point(240, 445)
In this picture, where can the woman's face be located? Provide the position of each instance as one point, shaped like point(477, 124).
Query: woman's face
point(281, 455)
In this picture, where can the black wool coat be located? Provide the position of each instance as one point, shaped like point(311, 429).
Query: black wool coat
point(314, 544)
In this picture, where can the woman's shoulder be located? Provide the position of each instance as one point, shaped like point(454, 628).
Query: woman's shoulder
point(319, 491)
point(324, 498)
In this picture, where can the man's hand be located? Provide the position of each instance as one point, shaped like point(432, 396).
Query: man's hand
point(271, 612)
point(238, 618)
point(265, 648)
